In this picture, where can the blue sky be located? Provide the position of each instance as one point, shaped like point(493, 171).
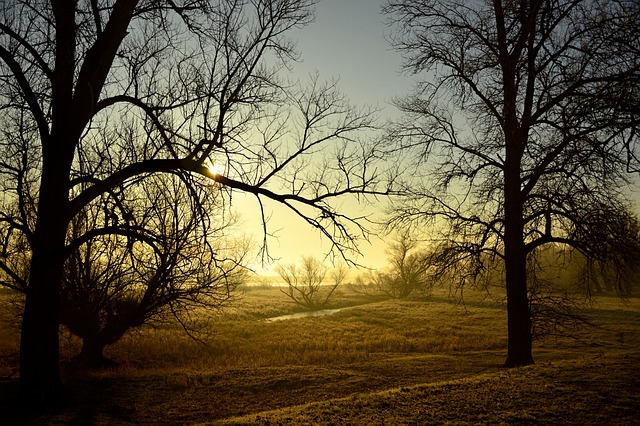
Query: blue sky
point(347, 40)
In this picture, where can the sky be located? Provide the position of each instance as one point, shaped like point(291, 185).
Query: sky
point(346, 41)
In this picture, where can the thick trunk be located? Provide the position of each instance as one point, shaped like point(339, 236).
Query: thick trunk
point(92, 355)
point(518, 310)
point(39, 347)
point(71, 109)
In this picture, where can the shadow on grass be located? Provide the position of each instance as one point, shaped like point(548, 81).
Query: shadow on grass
point(82, 402)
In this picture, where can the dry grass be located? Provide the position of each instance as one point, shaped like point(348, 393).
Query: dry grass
point(421, 361)
point(566, 392)
point(241, 338)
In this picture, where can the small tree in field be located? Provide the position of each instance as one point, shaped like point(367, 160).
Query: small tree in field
point(408, 272)
point(182, 263)
point(184, 266)
point(307, 284)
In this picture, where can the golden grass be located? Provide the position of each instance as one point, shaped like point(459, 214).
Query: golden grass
point(374, 362)
point(240, 337)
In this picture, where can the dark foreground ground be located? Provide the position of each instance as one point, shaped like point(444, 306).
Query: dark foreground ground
point(556, 394)
point(601, 390)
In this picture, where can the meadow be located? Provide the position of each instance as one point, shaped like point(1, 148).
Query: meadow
point(426, 360)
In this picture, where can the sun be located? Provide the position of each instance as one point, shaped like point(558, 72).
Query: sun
point(216, 169)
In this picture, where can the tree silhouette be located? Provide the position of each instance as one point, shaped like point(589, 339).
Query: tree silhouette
point(183, 265)
point(306, 284)
point(98, 95)
point(522, 130)
point(410, 270)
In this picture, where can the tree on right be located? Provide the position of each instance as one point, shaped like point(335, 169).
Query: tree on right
point(521, 132)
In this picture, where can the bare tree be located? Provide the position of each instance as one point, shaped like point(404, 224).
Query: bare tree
point(99, 95)
point(522, 130)
point(307, 283)
point(410, 270)
point(182, 267)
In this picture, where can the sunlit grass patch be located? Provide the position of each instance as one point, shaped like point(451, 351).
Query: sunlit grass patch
point(239, 336)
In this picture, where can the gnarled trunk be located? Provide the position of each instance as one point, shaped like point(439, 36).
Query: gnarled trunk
point(92, 355)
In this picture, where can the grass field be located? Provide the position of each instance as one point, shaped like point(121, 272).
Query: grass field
point(411, 362)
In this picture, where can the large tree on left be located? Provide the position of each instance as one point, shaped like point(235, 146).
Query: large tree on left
point(99, 94)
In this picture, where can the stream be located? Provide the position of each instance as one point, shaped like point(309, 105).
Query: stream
point(318, 313)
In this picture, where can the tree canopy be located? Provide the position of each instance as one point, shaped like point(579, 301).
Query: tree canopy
point(522, 131)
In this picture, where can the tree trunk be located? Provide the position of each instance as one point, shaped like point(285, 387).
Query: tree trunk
point(39, 346)
point(518, 310)
point(92, 354)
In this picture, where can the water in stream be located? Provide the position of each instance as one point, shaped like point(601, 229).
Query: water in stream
point(318, 313)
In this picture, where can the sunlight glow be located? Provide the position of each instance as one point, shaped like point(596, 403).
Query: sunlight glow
point(216, 169)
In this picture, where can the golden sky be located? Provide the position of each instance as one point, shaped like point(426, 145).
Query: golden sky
point(347, 41)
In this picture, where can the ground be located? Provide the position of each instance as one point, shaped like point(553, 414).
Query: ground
point(428, 360)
